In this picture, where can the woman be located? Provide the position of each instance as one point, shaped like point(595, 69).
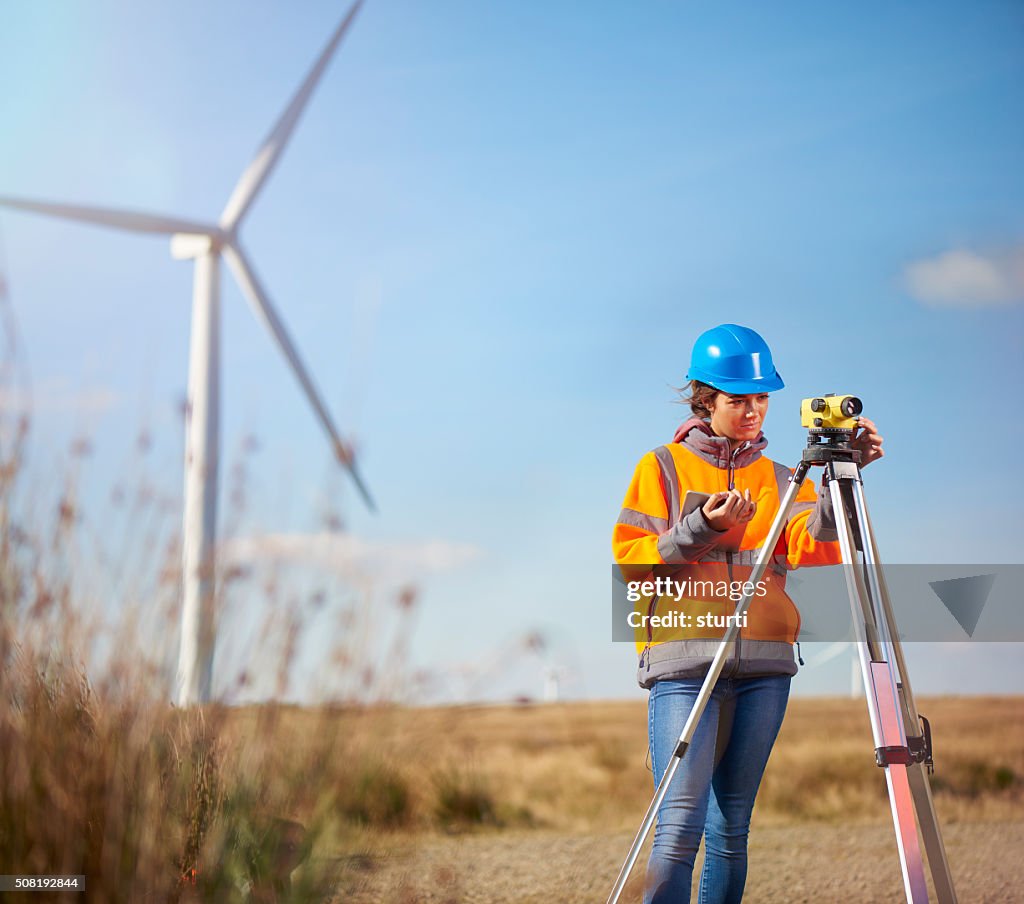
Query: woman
point(718, 452)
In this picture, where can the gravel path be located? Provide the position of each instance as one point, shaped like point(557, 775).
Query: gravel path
point(795, 864)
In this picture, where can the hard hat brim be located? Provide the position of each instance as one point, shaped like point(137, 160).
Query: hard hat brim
point(739, 386)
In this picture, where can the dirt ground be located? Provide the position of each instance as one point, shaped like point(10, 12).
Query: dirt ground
point(794, 864)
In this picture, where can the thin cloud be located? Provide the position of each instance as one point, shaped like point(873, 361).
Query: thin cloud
point(346, 554)
point(967, 279)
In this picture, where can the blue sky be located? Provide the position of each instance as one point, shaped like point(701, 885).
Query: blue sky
point(494, 237)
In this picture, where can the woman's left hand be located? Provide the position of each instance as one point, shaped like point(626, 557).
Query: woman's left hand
point(867, 441)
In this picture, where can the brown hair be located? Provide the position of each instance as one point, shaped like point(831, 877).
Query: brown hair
point(700, 398)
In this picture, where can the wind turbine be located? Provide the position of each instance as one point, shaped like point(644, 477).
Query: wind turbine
point(205, 243)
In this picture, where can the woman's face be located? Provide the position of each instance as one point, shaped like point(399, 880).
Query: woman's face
point(739, 417)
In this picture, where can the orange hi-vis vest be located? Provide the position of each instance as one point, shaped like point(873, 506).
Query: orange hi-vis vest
point(651, 540)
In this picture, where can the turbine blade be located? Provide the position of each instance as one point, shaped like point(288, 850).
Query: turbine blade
point(264, 310)
point(273, 146)
point(131, 220)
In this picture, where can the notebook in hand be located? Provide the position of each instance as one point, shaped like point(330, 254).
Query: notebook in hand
point(732, 538)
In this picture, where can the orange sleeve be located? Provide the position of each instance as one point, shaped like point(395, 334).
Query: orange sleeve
point(810, 533)
point(644, 517)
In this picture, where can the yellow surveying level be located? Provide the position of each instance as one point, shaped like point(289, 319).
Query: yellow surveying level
point(831, 412)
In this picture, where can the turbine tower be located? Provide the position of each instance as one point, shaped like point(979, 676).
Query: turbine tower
point(205, 244)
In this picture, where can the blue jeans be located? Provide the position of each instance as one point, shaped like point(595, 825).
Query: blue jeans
point(712, 793)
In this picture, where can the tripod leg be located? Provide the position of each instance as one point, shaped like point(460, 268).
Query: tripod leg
point(898, 782)
point(880, 688)
point(849, 538)
point(877, 577)
point(920, 786)
point(928, 819)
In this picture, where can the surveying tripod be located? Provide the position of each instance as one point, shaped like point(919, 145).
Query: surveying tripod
point(902, 737)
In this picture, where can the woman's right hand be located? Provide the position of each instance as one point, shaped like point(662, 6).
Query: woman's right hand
point(724, 511)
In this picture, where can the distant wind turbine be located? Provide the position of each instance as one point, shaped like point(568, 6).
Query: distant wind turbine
point(205, 243)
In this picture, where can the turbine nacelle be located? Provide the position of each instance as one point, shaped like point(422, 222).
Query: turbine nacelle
point(189, 245)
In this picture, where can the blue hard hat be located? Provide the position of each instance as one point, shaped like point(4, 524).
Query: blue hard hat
point(734, 359)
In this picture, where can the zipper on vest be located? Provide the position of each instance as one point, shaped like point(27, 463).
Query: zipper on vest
point(728, 559)
point(646, 652)
point(650, 611)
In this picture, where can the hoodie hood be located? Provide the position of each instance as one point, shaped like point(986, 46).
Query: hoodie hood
point(697, 436)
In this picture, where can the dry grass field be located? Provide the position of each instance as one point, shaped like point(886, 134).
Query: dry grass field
point(517, 803)
point(540, 802)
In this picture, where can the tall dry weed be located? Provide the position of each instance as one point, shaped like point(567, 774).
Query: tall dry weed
point(99, 774)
